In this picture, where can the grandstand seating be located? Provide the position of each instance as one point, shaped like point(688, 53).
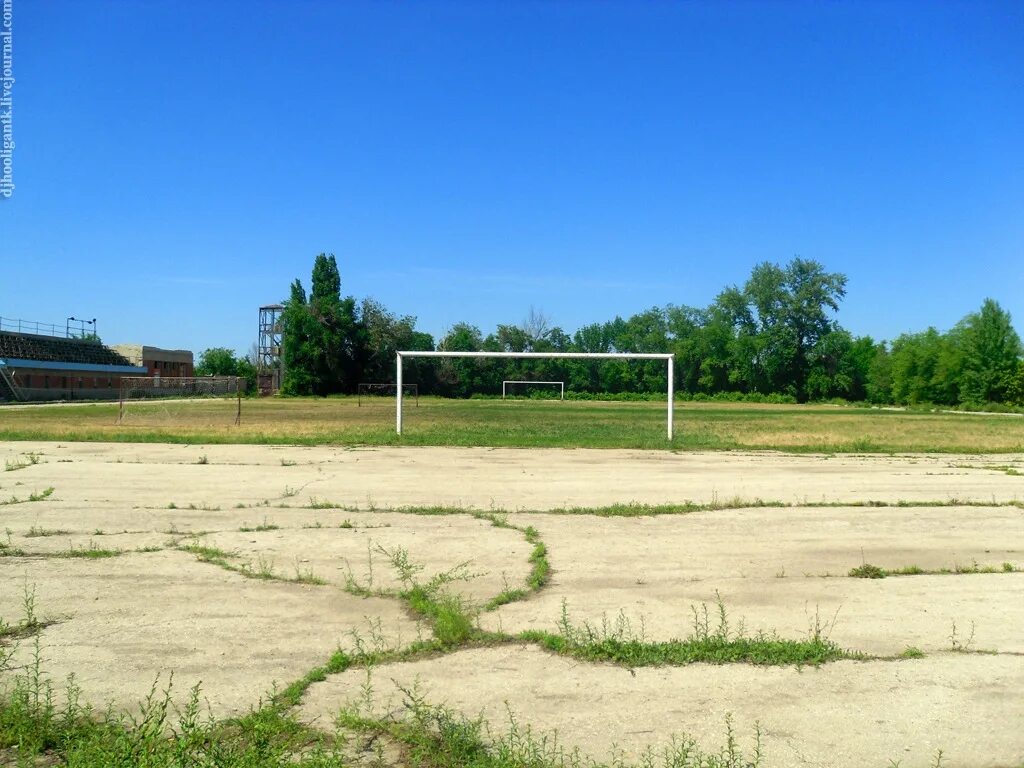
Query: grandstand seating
point(58, 350)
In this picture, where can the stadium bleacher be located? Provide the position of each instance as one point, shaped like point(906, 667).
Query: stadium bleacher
point(55, 349)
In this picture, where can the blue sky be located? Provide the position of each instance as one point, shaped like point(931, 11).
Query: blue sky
point(180, 163)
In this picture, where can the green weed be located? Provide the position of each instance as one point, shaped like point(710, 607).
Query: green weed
point(12, 465)
point(620, 642)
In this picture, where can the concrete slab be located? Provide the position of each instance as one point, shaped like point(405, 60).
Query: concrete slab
point(842, 715)
point(122, 622)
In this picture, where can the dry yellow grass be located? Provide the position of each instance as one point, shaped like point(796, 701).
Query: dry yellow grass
point(524, 423)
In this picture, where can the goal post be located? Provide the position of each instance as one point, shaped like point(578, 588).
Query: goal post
point(384, 388)
point(668, 357)
point(559, 384)
point(178, 388)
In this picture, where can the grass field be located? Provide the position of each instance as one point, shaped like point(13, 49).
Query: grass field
point(495, 423)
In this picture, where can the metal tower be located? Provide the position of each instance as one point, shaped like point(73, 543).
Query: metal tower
point(271, 364)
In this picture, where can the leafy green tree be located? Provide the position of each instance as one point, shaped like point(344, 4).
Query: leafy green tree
point(841, 366)
point(299, 347)
point(221, 361)
point(790, 310)
point(1015, 387)
point(325, 343)
point(878, 386)
point(386, 334)
point(461, 377)
point(991, 351)
point(217, 361)
point(925, 368)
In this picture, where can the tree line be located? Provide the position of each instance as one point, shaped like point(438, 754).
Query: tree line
point(776, 336)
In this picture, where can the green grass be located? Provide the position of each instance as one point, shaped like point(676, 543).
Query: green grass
point(526, 423)
point(439, 737)
point(264, 526)
point(92, 552)
point(32, 497)
point(30, 459)
point(162, 735)
point(619, 642)
point(540, 568)
point(262, 568)
point(869, 571)
point(36, 729)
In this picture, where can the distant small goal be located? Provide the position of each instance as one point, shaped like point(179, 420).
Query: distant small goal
point(145, 398)
point(371, 389)
point(507, 385)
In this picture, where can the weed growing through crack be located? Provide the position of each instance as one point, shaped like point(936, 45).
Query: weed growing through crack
point(306, 575)
point(29, 460)
point(440, 737)
point(34, 496)
point(42, 725)
point(958, 643)
point(90, 552)
point(715, 642)
point(453, 619)
point(869, 571)
point(540, 568)
point(262, 568)
point(264, 526)
point(7, 549)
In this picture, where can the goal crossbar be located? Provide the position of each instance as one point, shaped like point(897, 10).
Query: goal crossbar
point(559, 384)
point(667, 357)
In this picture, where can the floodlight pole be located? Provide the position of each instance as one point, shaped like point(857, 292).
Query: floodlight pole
point(668, 357)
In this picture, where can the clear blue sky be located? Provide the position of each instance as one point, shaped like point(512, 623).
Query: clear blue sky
point(180, 163)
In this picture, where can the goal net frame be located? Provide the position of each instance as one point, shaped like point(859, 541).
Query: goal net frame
point(506, 382)
point(368, 387)
point(179, 387)
point(668, 357)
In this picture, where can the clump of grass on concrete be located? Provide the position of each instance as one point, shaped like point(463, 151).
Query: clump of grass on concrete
point(437, 736)
point(869, 571)
point(452, 618)
point(29, 460)
point(264, 526)
point(32, 497)
point(620, 642)
point(262, 568)
point(41, 732)
point(540, 568)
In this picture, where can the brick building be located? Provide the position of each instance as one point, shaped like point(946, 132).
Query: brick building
point(46, 365)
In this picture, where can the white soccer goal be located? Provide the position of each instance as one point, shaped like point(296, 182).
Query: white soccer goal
point(168, 393)
point(667, 357)
point(384, 389)
point(559, 384)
